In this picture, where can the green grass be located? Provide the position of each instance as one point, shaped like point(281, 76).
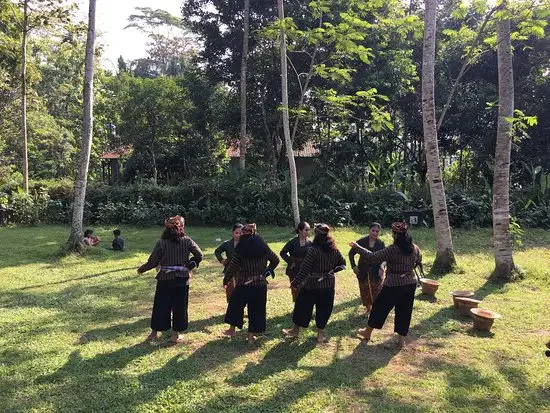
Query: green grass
point(72, 333)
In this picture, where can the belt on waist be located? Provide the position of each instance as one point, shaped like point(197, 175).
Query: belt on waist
point(181, 270)
point(322, 276)
point(402, 275)
point(256, 278)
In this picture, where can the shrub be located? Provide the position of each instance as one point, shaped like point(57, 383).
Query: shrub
point(254, 197)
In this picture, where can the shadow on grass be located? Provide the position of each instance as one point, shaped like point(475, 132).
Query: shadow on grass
point(139, 327)
point(84, 277)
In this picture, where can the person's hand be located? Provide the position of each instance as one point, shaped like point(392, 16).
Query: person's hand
point(356, 270)
point(353, 244)
point(223, 262)
point(381, 272)
point(139, 272)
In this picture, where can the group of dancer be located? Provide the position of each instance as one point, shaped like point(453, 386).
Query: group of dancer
point(385, 274)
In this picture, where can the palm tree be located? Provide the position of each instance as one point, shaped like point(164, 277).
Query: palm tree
point(76, 236)
point(504, 263)
point(286, 122)
point(445, 259)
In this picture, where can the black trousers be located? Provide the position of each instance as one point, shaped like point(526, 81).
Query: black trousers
point(321, 298)
point(402, 298)
point(170, 305)
point(256, 299)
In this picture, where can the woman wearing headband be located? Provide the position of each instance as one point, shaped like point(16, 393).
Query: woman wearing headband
point(399, 285)
point(252, 263)
point(370, 276)
point(316, 282)
point(171, 254)
point(294, 252)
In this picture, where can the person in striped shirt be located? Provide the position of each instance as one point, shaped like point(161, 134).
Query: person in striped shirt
point(316, 282)
point(172, 254)
point(252, 263)
point(228, 247)
point(294, 252)
point(370, 277)
point(399, 285)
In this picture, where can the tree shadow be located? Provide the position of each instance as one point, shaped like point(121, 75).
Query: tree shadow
point(84, 277)
point(340, 373)
point(138, 327)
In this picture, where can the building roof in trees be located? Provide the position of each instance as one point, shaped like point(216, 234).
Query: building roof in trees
point(116, 153)
point(308, 150)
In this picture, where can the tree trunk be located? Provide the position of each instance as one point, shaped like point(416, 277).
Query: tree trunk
point(244, 58)
point(445, 259)
point(155, 170)
point(75, 238)
point(24, 96)
point(504, 263)
point(286, 123)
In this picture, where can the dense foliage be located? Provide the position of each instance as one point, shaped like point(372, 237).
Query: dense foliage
point(354, 90)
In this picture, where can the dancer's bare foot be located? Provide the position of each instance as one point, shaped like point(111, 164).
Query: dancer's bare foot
point(177, 337)
point(153, 335)
point(365, 334)
point(254, 338)
point(321, 338)
point(291, 332)
point(230, 332)
point(401, 342)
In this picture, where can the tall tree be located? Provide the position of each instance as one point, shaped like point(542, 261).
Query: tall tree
point(44, 14)
point(504, 263)
point(170, 46)
point(286, 120)
point(25, 31)
point(244, 59)
point(76, 236)
point(444, 259)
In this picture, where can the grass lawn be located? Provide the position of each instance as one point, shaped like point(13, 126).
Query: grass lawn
point(73, 330)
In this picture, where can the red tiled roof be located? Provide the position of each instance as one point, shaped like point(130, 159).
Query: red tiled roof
point(117, 153)
point(308, 151)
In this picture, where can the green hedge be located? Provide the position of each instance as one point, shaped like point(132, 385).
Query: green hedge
point(232, 198)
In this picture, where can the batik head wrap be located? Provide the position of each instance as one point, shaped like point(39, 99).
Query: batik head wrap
point(176, 223)
point(321, 228)
point(249, 229)
point(399, 227)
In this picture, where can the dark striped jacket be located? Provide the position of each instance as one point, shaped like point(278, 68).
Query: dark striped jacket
point(293, 254)
point(364, 268)
point(229, 248)
point(317, 269)
point(249, 271)
point(400, 267)
point(169, 252)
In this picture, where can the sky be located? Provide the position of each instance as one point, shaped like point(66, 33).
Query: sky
point(112, 17)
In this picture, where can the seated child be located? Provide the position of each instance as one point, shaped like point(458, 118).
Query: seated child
point(118, 242)
point(90, 239)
